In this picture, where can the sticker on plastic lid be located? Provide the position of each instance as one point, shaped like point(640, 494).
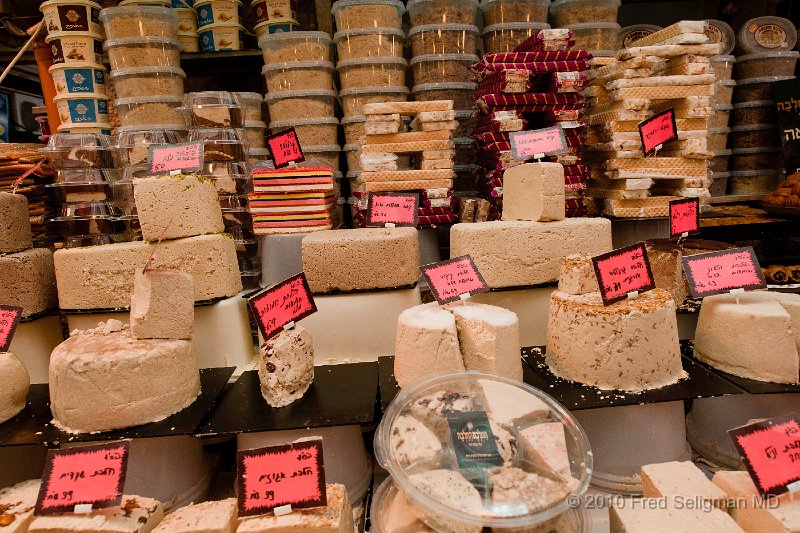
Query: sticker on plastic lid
point(284, 147)
point(399, 209)
point(275, 477)
point(684, 217)
point(536, 144)
point(473, 440)
point(770, 450)
point(622, 272)
point(184, 157)
point(87, 475)
point(450, 279)
point(9, 319)
point(657, 131)
point(286, 302)
point(720, 272)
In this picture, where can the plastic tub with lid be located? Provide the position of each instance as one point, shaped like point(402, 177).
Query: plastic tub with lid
point(353, 127)
point(568, 12)
point(767, 34)
point(756, 112)
point(755, 89)
point(71, 15)
point(352, 153)
point(443, 39)
point(506, 36)
point(439, 481)
point(723, 66)
point(369, 42)
point(213, 109)
point(719, 184)
point(755, 182)
point(187, 21)
point(505, 11)
point(139, 21)
point(717, 139)
point(359, 14)
point(253, 133)
point(81, 109)
point(371, 71)
point(354, 100)
point(76, 48)
point(132, 146)
point(148, 81)
point(595, 35)
point(328, 155)
point(98, 128)
point(274, 12)
point(188, 43)
point(719, 163)
point(721, 117)
point(630, 34)
point(296, 46)
point(216, 37)
point(229, 177)
point(272, 28)
point(298, 75)
point(459, 93)
point(442, 68)
point(442, 12)
point(776, 63)
point(723, 92)
point(77, 79)
point(218, 12)
point(251, 104)
point(179, 129)
point(312, 131)
point(257, 155)
point(140, 110)
point(756, 158)
point(77, 185)
point(301, 104)
point(753, 136)
point(132, 52)
point(721, 32)
point(219, 144)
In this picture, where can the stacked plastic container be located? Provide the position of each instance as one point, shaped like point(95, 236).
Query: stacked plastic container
point(219, 25)
point(274, 16)
point(187, 25)
point(75, 38)
point(507, 23)
point(217, 119)
point(765, 46)
point(718, 123)
point(593, 23)
point(255, 129)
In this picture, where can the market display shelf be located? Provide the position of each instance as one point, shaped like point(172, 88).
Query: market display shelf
point(33, 425)
point(735, 198)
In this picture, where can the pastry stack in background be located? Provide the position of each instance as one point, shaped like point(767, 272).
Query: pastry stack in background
point(18, 160)
point(535, 87)
point(669, 69)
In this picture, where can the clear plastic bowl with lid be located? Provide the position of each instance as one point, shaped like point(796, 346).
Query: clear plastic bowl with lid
point(442, 68)
point(778, 63)
point(520, 486)
point(132, 146)
point(354, 100)
point(219, 144)
point(721, 32)
point(369, 42)
point(141, 110)
point(443, 39)
point(358, 14)
point(442, 12)
point(301, 104)
point(756, 89)
point(722, 66)
point(251, 104)
point(132, 52)
point(139, 21)
point(213, 109)
point(148, 81)
point(505, 11)
point(298, 75)
point(312, 131)
point(595, 35)
point(76, 185)
point(71, 15)
point(766, 34)
point(505, 37)
point(459, 93)
point(568, 12)
point(371, 71)
point(296, 46)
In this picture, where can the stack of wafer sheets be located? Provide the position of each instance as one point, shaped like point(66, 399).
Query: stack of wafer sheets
point(669, 69)
point(536, 86)
point(25, 171)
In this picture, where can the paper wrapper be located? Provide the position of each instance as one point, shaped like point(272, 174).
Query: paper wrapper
point(548, 41)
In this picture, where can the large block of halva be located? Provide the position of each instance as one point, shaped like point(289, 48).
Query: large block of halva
point(28, 280)
point(162, 305)
point(15, 225)
point(534, 191)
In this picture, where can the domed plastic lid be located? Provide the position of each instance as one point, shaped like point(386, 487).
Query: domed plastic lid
point(562, 5)
point(311, 93)
point(515, 26)
point(782, 54)
point(297, 65)
point(628, 34)
point(342, 34)
point(767, 34)
point(67, 141)
point(474, 449)
point(211, 99)
point(288, 36)
point(754, 103)
point(765, 79)
point(378, 89)
point(454, 86)
point(353, 119)
point(469, 28)
point(429, 58)
point(721, 32)
point(341, 4)
point(250, 97)
point(303, 122)
point(132, 138)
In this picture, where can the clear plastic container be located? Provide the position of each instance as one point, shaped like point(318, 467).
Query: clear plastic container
point(721, 116)
point(354, 100)
point(466, 151)
point(298, 75)
point(135, 52)
point(353, 127)
point(776, 63)
point(719, 185)
point(83, 109)
point(723, 66)
point(719, 163)
point(148, 81)
point(505, 11)
point(228, 177)
point(756, 158)
point(80, 176)
point(353, 154)
point(187, 20)
point(251, 105)
point(76, 79)
point(218, 12)
point(296, 46)
point(253, 134)
point(257, 155)
point(301, 104)
point(595, 35)
point(75, 192)
point(76, 48)
point(756, 89)
point(721, 32)
point(519, 489)
point(132, 146)
point(97, 128)
point(630, 34)
point(717, 139)
point(180, 130)
point(372, 71)
point(444, 68)
point(505, 37)
point(213, 109)
point(754, 182)
point(442, 12)
point(767, 34)
point(467, 121)
point(312, 131)
point(459, 93)
point(219, 144)
point(369, 42)
point(141, 110)
point(328, 155)
point(723, 92)
point(71, 15)
point(757, 112)
point(139, 21)
point(755, 136)
point(358, 14)
point(565, 13)
point(216, 37)
point(443, 39)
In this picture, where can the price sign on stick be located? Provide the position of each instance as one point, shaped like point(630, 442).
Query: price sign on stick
point(166, 158)
point(684, 217)
point(286, 302)
point(771, 452)
point(284, 147)
point(451, 279)
point(658, 130)
point(720, 272)
point(400, 209)
point(536, 144)
point(623, 272)
point(277, 476)
point(9, 319)
point(90, 477)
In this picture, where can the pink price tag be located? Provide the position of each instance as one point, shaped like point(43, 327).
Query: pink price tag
point(535, 144)
point(684, 216)
point(657, 131)
point(291, 474)
point(87, 475)
point(166, 158)
point(400, 209)
point(9, 319)
point(289, 301)
point(284, 147)
point(450, 279)
point(721, 272)
point(771, 452)
point(622, 272)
